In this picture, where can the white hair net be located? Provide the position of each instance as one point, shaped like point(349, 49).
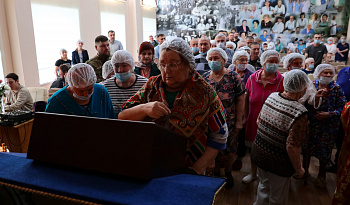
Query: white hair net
point(321, 68)
point(181, 47)
point(232, 44)
point(107, 69)
point(81, 75)
point(123, 56)
point(308, 60)
point(239, 54)
point(212, 42)
point(219, 51)
point(269, 54)
point(63, 50)
point(80, 41)
point(290, 58)
point(295, 81)
point(244, 48)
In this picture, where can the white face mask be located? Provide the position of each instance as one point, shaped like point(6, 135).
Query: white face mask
point(241, 67)
point(221, 45)
point(83, 98)
point(325, 80)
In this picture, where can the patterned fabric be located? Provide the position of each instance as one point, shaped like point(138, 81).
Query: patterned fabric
point(258, 93)
point(228, 89)
point(342, 192)
point(97, 63)
point(275, 121)
point(323, 133)
point(197, 114)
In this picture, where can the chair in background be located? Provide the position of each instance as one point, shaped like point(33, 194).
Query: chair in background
point(38, 93)
point(39, 96)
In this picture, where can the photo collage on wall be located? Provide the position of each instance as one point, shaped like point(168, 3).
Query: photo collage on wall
point(281, 19)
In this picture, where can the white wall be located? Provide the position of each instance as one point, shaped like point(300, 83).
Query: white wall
point(17, 32)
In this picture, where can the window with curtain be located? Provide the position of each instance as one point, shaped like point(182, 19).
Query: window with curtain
point(56, 25)
point(113, 18)
point(149, 28)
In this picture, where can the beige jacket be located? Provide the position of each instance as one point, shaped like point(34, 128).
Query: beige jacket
point(20, 100)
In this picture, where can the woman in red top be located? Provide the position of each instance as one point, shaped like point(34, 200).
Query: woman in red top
point(259, 86)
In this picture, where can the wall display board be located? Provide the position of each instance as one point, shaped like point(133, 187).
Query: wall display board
point(281, 19)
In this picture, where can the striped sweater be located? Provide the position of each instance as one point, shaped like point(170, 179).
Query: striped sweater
point(269, 150)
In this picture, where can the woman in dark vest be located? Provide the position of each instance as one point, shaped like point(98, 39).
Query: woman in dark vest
point(146, 66)
point(282, 124)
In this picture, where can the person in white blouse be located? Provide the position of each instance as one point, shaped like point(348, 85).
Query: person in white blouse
point(305, 6)
point(331, 48)
point(302, 21)
point(244, 14)
point(201, 25)
point(267, 9)
point(292, 47)
point(255, 13)
point(333, 27)
point(280, 9)
point(279, 26)
point(270, 44)
point(314, 21)
point(290, 24)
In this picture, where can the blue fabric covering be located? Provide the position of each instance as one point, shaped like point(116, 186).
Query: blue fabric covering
point(100, 105)
point(178, 189)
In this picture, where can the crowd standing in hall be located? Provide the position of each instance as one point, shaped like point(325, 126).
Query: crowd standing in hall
point(223, 97)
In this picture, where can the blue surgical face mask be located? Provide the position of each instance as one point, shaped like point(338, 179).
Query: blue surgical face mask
point(342, 40)
point(221, 45)
point(241, 67)
point(294, 68)
point(317, 41)
point(123, 76)
point(195, 49)
point(203, 53)
point(215, 65)
point(83, 98)
point(268, 40)
point(311, 66)
point(271, 67)
point(329, 42)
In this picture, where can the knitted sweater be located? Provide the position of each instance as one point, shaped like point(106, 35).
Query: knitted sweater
point(269, 150)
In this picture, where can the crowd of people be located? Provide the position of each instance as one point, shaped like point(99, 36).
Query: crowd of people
point(223, 95)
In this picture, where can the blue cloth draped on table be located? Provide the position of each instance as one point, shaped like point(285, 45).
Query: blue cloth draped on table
point(98, 188)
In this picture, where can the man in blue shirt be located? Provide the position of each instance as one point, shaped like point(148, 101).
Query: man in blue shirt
point(161, 39)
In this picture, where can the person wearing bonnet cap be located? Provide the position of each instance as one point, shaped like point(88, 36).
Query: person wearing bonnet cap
point(231, 91)
point(324, 121)
point(82, 96)
point(146, 66)
point(277, 146)
point(259, 86)
point(124, 84)
point(295, 61)
point(182, 101)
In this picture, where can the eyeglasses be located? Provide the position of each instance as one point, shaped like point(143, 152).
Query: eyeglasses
point(171, 66)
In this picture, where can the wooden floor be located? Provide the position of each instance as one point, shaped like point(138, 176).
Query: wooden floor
point(299, 194)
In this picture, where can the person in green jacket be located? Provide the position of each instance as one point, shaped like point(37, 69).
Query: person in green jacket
point(146, 66)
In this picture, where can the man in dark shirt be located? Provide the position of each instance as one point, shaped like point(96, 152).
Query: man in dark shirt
point(254, 55)
point(60, 82)
point(102, 48)
point(317, 51)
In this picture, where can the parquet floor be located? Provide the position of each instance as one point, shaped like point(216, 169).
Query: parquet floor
point(299, 194)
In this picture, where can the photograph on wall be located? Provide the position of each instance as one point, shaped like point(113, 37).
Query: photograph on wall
point(282, 19)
